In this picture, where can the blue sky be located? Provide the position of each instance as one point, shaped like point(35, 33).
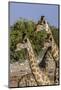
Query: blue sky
point(33, 11)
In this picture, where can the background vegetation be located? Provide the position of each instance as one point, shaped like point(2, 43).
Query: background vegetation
point(36, 39)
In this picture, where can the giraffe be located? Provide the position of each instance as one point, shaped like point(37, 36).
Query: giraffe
point(44, 25)
point(54, 52)
point(37, 76)
point(54, 48)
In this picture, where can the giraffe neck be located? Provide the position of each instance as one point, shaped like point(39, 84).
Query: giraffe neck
point(55, 54)
point(40, 77)
point(54, 49)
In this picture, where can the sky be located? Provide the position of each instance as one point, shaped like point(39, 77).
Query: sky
point(33, 12)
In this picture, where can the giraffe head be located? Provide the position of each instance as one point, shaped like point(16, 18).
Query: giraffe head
point(42, 20)
point(42, 24)
point(22, 45)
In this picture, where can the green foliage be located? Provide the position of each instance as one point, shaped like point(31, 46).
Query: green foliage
point(36, 39)
point(16, 33)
